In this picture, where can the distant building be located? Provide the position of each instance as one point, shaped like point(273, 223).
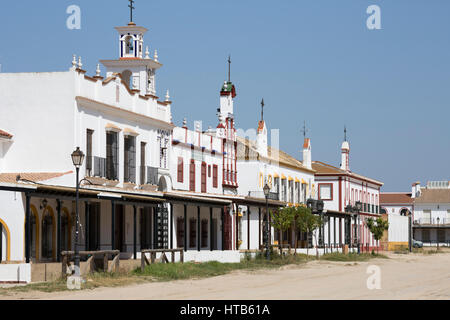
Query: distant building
point(396, 207)
point(431, 212)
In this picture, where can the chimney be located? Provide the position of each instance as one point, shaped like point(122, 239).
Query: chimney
point(415, 190)
point(307, 153)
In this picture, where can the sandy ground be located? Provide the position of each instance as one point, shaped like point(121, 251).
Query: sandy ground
point(402, 277)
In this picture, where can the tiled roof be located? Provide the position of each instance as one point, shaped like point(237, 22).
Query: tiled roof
point(433, 196)
point(396, 198)
point(322, 168)
point(4, 134)
point(247, 150)
point(31, 176)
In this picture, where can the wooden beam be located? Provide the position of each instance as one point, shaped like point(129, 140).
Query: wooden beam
point(248, 227)
point(185, 228)
point(211, 240)
point(27, 229)
point(135, 232)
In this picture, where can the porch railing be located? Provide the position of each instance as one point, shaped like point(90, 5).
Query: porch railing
point(163, 258)
point(69, 255)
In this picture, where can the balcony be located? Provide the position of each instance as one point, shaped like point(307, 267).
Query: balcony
point(431, 222)
point(260, 194)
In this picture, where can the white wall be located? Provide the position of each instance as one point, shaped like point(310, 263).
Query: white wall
point(19, 273)
point(398, 228)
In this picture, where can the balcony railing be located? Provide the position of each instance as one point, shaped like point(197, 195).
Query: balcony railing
point(431, 221)
point(260, 194)
point(152, 176)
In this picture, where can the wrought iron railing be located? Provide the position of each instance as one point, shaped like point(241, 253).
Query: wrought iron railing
point(260, 194)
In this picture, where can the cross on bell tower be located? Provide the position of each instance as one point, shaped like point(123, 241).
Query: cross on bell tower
point(345, 133)
point(262, 110)
point(304, 130)
point(131, 9)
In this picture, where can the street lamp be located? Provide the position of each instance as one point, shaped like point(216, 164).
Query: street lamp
point(77, 159)
point(266, 190)
point(358, 207)
point(438, 232)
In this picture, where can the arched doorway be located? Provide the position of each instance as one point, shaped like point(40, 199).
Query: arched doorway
point(66, 235)
point(5, 242)
point(34, 233)
point(48, 235)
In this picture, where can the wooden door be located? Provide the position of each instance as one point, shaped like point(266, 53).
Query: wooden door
point(119, 228)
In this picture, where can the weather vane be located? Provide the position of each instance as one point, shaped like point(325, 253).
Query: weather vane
point(131, 9)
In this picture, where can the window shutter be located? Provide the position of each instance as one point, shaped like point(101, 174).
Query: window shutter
point(89, 134)
point(115, 154)
point(180, 170)
point(203, 177)
point(192, 176)
point(215, 178)
point(132, 160)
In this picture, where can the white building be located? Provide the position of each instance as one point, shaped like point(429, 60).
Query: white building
point(290, 180)
point(431, 212)
point(340, 189)
point(127, 199)
point(397, 208)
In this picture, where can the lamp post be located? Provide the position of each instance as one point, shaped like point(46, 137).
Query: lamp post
point(77, 159)
point(266, 190)
point(437, 235)
point(358, 207)
point(319, 207)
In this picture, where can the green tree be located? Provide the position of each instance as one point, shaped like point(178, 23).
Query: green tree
point(282, 219)
point(377, 227)
point(308, 222)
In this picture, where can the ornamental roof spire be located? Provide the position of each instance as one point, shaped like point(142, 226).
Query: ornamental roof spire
point(74, 62)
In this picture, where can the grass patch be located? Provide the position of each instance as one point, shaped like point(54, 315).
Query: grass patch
point(163, 272)
point(190, 270)
point(340, 257)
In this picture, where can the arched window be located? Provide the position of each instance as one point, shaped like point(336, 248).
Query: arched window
point(129, 47)
point(3, 243)
point(126, 76)
point(47, 235)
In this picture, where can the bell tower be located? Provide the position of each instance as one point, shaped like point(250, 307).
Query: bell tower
point(136, 67)
point(227, 131)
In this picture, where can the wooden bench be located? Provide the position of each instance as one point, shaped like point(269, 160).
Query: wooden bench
point(163, 258)
point(68, 256)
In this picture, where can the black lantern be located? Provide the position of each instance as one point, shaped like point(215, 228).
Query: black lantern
point(349, 208)
point(312, 204)
point(359, 206)
point(320, 205)
point(77, 158)
point(266, 190)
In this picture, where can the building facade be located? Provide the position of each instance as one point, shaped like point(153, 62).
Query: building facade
point(431, 212)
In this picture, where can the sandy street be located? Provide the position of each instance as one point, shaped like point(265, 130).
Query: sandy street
point(402, 277)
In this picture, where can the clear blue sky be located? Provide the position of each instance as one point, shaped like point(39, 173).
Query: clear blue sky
point(312, 60)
